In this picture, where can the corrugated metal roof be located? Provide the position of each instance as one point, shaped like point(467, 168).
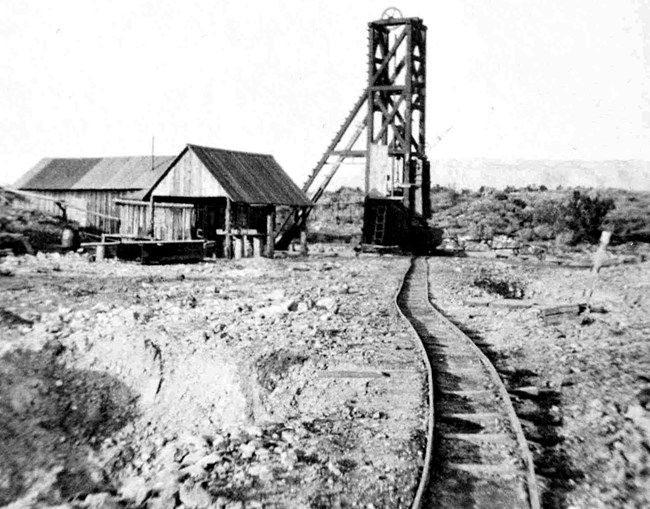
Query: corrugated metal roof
point(124, 173)
point(60, 174)
point(20, 183)
point(95, 173)
point(250, 178)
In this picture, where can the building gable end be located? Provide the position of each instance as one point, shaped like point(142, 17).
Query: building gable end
point(189, 177)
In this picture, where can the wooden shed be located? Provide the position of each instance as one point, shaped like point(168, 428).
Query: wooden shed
point(226, 196)
point(86, 188)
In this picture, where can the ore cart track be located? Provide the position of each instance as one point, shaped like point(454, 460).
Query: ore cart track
point(477, 455)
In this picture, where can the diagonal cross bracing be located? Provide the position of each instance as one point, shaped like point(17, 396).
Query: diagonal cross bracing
point(395, 90)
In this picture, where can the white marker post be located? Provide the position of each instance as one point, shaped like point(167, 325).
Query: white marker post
point(599, 259)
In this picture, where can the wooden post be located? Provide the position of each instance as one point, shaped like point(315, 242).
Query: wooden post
point(270, 232)
point(228, 241)
point(248, 246)
point(100, 250)
point(599, 259)
point(64, 210)
point(239, 246)
point(258, 245)
point(303, 235)
point(151, 217)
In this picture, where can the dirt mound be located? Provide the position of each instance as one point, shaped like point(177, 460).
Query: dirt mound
point(30, 231)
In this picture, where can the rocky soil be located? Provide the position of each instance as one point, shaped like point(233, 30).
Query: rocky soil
point(293, 382)
point(227, 384)
point(579, 382)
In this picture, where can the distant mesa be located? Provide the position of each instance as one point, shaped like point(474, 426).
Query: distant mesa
point(631, 175)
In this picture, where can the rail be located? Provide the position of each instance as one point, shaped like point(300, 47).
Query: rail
point(481, 454)
point(426, 468)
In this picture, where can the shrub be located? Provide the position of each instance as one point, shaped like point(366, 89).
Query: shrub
point(544, 232)
point(518, 202)
point(526, 234)
point(506, 286)
point(549, 213)
point(584, 216)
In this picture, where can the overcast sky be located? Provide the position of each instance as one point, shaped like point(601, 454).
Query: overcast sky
point(565, 79)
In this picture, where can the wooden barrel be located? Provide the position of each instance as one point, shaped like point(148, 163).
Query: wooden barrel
point(69, 239)
point(100, 252)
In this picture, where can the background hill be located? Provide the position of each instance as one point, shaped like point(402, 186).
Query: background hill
point(527, 213)
point(473, 173)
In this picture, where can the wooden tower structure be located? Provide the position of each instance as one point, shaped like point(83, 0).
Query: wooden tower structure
point(396, 163)
point(391, 114)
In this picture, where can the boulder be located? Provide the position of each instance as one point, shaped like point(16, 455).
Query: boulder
point(263, 472)
point(328, 303)
point(134, 489)
point(247, 450)
point(193, 496)
point(276, 295)
point(209, 460)
point(101, 501)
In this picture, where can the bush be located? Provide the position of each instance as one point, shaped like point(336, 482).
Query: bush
point(526, 234)
point(519, 203)
point(584, 216)
point(544, 232)
point(498, 284)
point(568, 217)
point(548, 212)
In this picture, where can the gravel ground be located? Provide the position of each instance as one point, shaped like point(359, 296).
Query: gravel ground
point(580, 383)
point(292, 382)
point(238, 384)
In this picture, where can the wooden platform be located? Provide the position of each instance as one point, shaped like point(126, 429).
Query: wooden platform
point(171, 251)
point(148, 251)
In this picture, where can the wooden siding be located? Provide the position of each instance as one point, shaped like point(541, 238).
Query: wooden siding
point(172, 221)
point(134, 218)
point(102, 202)
point(50, 207)
point(189, 178)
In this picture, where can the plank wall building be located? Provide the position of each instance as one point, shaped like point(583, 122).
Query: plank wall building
point(226, 196)
point(88, 187)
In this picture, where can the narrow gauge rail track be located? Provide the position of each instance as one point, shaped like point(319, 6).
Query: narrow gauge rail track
point(477, 454)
